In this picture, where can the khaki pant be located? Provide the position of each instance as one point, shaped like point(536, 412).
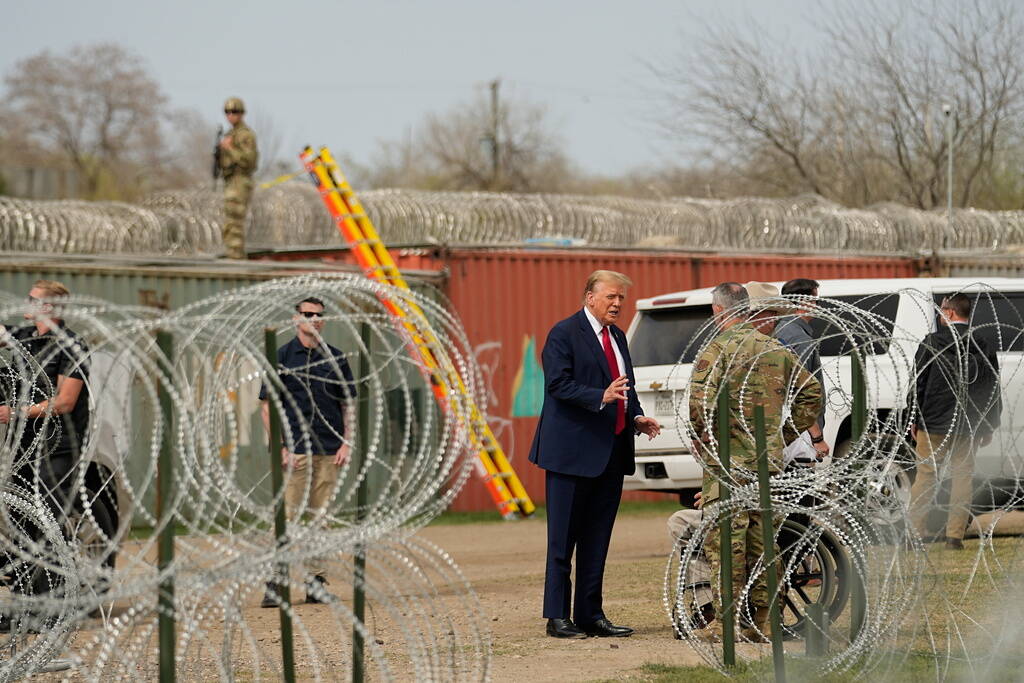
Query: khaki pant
point(697, 582)
point(308, 491)
point(237, 193)
point(932, 451)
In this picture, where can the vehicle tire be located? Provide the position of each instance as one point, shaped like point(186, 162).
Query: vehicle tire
point(888, 484)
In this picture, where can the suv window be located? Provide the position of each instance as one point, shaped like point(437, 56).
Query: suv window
point(662, 335)
point(836, 342)
point(989, 308)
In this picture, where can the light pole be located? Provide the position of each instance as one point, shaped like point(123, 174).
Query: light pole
point(947, 110)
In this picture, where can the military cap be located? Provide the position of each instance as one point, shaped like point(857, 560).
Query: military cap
point(234, 104)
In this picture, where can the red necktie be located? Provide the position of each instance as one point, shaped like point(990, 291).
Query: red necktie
point(613, 366)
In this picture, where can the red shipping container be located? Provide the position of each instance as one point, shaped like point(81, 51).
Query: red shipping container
point(508, 299)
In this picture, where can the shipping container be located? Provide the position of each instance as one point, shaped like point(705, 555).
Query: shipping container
point(508, 299)
point(973, 265)
point(171, 283)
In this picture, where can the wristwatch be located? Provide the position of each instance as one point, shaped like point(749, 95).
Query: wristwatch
point(817, 439)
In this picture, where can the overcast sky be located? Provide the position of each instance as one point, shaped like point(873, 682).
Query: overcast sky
point(348, 74)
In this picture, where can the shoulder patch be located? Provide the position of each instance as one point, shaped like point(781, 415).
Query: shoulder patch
point(702, 365)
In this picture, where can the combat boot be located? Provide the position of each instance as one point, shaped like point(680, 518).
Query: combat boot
point(761, 630)
point(711, 633)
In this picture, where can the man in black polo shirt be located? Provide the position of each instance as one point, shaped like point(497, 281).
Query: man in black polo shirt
point(319, 416)
point(45, 399)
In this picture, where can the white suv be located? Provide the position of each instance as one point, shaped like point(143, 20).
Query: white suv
point(665, 327)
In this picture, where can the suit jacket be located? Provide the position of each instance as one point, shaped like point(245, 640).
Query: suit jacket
point(575, 435)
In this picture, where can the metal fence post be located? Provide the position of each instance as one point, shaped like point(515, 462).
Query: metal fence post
point(725, 531)
point(858, 424)
point(817, 629)
point(767, 527)
point(280, 523)
point(362, 495)
point(165, 515)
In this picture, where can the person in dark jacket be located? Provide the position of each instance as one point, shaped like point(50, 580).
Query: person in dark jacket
point(584, 442)
point(958, 409)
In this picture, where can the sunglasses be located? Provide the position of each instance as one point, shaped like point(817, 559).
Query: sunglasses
point(233, 111)
point(311, 314)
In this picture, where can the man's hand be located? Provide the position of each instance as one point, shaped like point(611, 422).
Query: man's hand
point(287, 458)
point(342, 456)
point(225, 142)
point(616, 391)
point(822, 449)
point(647, 425)
point(5, 414)
point(698, 500)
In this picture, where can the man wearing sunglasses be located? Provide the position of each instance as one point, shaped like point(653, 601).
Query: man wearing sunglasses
point(238, 157)
point(317, 395)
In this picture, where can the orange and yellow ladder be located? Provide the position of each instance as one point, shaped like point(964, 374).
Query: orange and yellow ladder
point(355, 226)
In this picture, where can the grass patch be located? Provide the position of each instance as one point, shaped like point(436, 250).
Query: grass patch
point(915, 668)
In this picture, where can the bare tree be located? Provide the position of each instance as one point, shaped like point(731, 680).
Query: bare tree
point(95, 106)
point(451, 151)
point(860, 119)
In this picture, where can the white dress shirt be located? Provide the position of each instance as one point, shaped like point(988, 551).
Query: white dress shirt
point(598, 327)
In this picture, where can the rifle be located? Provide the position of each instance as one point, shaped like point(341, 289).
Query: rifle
point(216, 155)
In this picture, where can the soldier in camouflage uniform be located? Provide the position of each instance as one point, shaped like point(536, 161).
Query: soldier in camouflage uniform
point(759, 370)
point(238, 157)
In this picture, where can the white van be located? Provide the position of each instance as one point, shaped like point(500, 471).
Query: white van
point(666, 326)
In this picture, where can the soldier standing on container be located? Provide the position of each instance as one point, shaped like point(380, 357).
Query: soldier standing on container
point(759, 370)
point(237, 159)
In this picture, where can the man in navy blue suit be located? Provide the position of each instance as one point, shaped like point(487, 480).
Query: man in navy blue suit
point(584, 441)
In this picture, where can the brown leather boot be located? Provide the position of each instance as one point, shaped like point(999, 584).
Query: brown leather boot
point(712, 632)
point(761, 631)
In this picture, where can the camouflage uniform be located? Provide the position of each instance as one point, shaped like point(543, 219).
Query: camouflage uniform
point(760, 371)
point(237, 165)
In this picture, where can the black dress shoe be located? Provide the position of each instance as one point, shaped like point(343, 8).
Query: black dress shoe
point(602, 628)
point(564, 628)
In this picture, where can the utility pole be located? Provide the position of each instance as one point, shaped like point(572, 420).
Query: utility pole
point(495, 145)
point(947, 109)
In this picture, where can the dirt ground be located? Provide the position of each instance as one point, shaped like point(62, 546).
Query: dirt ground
point(505, 564)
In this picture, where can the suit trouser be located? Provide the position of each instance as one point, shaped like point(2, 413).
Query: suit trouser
point(309, 486)
point(581, 513)
point(932, 449)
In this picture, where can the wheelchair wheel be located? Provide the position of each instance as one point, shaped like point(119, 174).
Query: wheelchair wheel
point(814, 561)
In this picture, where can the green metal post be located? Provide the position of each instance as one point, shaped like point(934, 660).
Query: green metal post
point(362, 496)
point(859, 407)
point(817, 622)
point(280, 522)
point(725, 532)
point(858, 423)
point(165, 517)
point(770, 568)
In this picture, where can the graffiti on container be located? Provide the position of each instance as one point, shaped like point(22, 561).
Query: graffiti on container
point(488, 357)
point(528, 385)
point(154, 299)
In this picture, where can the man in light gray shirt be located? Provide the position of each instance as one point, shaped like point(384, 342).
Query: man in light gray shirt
point(796, 334)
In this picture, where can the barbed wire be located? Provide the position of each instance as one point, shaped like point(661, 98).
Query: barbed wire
point(850, 519)
point(188, 222)
point(81, 581)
